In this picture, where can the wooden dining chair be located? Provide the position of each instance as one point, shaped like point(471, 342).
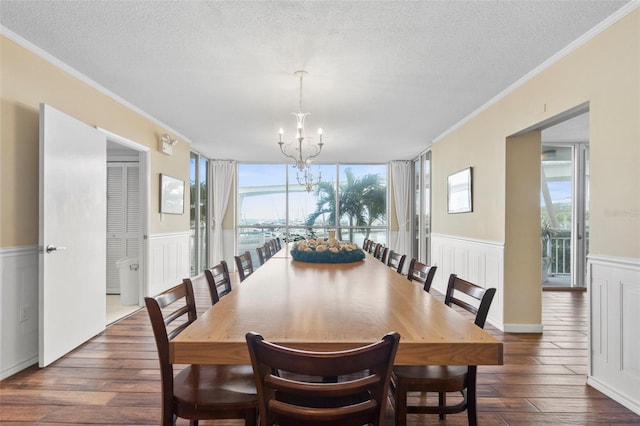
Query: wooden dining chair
point(373, 248)
point(366, 244)
point(262, 255)
point(298, 399)
point(268, 251)
point(381, 253)
point(197, 392)
point(396, 261)
point(218, 280)
point(443, 379)
point(277, 244)
point(244, 265)
point(421, 273)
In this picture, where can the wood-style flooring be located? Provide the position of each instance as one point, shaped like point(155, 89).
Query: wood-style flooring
point(114, 378)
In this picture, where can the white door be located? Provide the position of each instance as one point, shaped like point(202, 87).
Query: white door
point(72, 235)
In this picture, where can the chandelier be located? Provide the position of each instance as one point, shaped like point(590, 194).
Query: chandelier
point(302, 161)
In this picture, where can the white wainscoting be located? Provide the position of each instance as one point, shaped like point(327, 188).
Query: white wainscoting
point(168, 261)
point(18, 309)
point(481, 262)
point(614, 339)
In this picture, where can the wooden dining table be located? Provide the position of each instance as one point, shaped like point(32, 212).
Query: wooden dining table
point(326, 307)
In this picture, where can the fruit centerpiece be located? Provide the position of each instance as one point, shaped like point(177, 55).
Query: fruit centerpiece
point(326, 251)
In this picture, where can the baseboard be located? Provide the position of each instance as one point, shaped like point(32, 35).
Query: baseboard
point(523, 328)
point(611, 393)
point(18, 368)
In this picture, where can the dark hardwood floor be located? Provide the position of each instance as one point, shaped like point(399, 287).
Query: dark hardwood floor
point(114, 378)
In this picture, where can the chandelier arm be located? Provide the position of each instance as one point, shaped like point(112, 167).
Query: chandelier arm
point(318, 149)
point(286, 154)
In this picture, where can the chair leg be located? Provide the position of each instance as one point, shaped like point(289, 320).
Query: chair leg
point(400, 408)
point(442, 404)
point(471, 402)
point(251, 417)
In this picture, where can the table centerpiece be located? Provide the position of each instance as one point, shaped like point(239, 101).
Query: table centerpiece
point(328, 250)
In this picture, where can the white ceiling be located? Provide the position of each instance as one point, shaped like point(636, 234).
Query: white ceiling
point(385, 77)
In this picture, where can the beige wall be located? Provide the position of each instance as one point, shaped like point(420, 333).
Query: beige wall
point(522, 271)
point(26, 80)
point(604, 72)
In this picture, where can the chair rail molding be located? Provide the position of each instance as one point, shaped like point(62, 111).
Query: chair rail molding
point(19, 307)
point(168, 261)
point(479, 261)
point(614, 314)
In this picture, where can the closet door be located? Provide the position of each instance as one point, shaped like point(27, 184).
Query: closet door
point(123, 218)
point(115, 224)
point(133, 227)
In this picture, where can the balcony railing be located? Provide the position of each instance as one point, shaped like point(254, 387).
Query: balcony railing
point(558, 248)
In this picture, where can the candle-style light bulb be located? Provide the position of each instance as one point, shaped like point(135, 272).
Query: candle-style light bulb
point(281, 132)
point(320, 134)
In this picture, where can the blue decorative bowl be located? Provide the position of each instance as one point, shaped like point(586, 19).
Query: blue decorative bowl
point(342, 256)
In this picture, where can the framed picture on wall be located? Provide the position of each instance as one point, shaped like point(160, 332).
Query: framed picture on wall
point(459, 192)
point(171, 195)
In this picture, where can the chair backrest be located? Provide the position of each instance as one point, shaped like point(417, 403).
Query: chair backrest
point(381, 253)
point(366, 244)
point(168, 323)
point(277, 244)
point(295, 398)
point(262, 255)
point(268, 251)
point(218, 280)
point(244, 265)
point(396, 261)
point(484, 296)
point(421, 273)
point(270, 248)
point(373, 247)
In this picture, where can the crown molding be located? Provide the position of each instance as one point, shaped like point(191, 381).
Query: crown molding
point(608, 22)
point(83, 78)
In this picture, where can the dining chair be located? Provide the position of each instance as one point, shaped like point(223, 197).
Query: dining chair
point(373, 247)
point(396, 261)
point(277, 243)
point(440, 378)
point(262, 255)
point(299, 399)
point(218, 280)
point(244, 265)
point(271, 247)
point(268, 252)
point(366, 244)
point(421, 273)
point(381, 253)
point(197, 392)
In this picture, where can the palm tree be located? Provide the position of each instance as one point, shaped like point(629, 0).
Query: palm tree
point(362, 201)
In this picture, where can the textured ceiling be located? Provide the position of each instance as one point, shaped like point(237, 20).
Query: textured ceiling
point(385, 77)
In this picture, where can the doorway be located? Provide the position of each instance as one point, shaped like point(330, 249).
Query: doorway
point(127, 189)
point(564, 203)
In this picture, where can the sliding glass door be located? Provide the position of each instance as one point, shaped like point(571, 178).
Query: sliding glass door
point(564, 214)
point(199, 213)
point(422, 208)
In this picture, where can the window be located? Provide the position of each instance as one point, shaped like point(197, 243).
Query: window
point(199, 213)
point(422, 208)
point(351, 199)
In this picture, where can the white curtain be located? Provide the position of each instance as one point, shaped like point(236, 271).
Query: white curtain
point(401, 178)
point(222, 179)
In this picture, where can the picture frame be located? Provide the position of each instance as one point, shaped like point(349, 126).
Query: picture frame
point(459, 191)
point(171, 195)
